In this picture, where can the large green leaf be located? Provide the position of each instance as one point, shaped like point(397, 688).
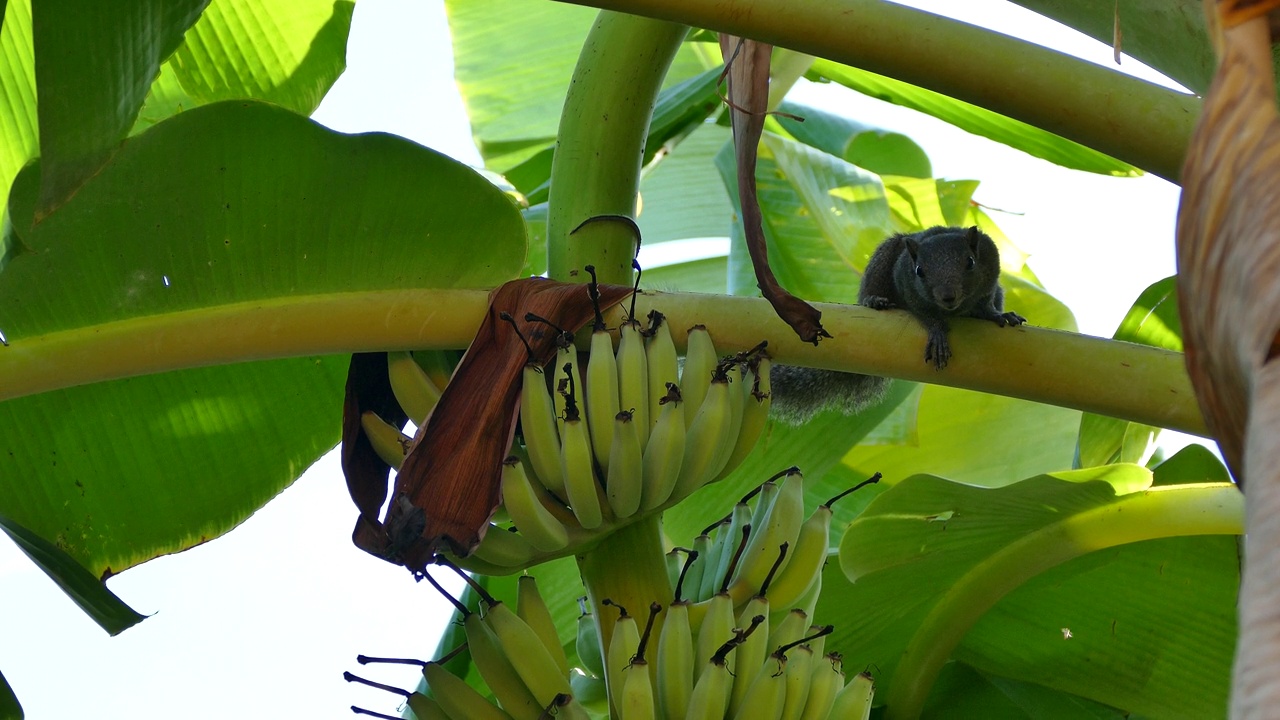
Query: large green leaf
point(285, 53)
point(94, 65)
point(682, 196)
point(513, 61)
point(18, 136)
point(10, 708)
point(220, 205)
point(963, 693)
point(974, 119)
point(880, 151)
point(929, 556)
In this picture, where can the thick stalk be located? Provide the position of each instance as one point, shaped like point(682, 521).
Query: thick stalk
point(1133, 120)
point(1119, 379)
point(1162, 512)
point(596, 170)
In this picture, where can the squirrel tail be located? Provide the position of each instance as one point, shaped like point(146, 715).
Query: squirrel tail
point(798, 394)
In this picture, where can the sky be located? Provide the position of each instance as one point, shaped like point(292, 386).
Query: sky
point(262, 622)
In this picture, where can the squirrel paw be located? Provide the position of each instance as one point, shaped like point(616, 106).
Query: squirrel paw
point(938, 350)
point(877, 302)
point(1011, 319)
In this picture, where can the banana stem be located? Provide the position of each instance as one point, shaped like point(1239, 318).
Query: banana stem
point(1132, 120)
point(1119, 379)
point(596, 170)
point(1161, 512)
point(629, 568)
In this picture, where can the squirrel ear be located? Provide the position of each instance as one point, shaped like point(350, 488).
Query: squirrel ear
point(972, 236)
point(913, 248)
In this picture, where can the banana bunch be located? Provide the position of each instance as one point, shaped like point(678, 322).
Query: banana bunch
point(623, 435)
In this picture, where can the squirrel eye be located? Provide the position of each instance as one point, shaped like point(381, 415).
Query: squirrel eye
point(919, 271)
point(971, 262)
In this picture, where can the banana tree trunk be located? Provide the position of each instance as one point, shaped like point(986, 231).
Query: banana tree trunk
point(1228, 263)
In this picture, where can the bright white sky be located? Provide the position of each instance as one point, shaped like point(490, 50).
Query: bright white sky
point(262, 623)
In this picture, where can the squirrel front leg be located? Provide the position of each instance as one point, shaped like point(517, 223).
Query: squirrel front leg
point(993, 310)
point(938, 348)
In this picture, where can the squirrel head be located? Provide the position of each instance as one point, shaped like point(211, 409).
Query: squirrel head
point(945, 267)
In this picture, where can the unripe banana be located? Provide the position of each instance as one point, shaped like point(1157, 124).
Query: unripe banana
point(664, 454)
point(664, 364)
point(781, 524)
point(538, 425)
point(710, 697)
point(799, 673)
point(791, 626)
point(625, 482)
point(737, 403)
point(589, 690)
point(457, 699)
point(602, 395)
point(504, 548)
point(498, 672)
point(675, 661)
point(716, 628)
point(751, 653)
point(622, 647)
point(565, 707)
point(633, 378)
point(388, 442)
point(531, 608)
point(414, 391)
point(588, 643)
point(699, 365)
point(719, 545)
point(425, 708)
point(805, 561)
point(697, 562)
point(827, 680)
point(766, 693)
point(566, 367)
point(755, 414)
point(529, 655)
point(854, 700)
point(740, 517)
point(709, 440)
point(536, 524)
point(637, 701)
point(578, 465)
point(816, 644)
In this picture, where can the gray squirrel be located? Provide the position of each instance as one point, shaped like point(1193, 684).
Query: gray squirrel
point(934, 274)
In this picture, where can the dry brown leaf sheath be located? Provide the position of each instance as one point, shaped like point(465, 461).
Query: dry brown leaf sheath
point(747, 68)
point(448, 486)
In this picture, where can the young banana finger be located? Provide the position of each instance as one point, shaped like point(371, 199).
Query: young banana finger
point(531, 608)
point(755, 413)
point(498, 672)
point(675, 661)
point(505, 548)
point(781, 524)
point(827, 680)
point(799, 673)
point(529, 655)
point(699, 365)
point(538, 425)
point(601, 394)
point(664, 364)
point(854, 700)
point(664, 454)
point(625, 476)
point(388, 442)
point(633, 378)
point(622, 647)
point(543, 531)
point(414, 391)
point(709, 438)
point(459, 700)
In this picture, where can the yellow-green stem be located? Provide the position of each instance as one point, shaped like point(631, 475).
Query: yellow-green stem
point(1161, 512)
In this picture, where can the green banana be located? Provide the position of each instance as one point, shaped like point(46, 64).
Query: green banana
point(581, 488)
point(531, 658)
point(699, 365)
point(565, 707)
point(538, 425)
point(425, 708)
point(807, 557)
point(709, 441)
point(766, 692)
point(601, 394)
point(414, 391)
point(827, 680)
point(388, 442)
point(716, 625)
point(739, 517)
point(535, 522)
point(816, 642)
point(588, 641)
point(622, 647)
point(791, 626)
point(799, 673)
point(531, 608)
point(752, 652)
point(710, 697)
point(625, 476)
point(504, 548)
point(633, 378)
point(697, 565)
point(755, 413)
point(675, 661)
point(498, 672)
point(854, 700)
point(457, 699)
point(780, 524)
point(589, 690)
point(665, 452)
point(721, 544)
point(636, 701)
point(664, 364)
point(566, 368)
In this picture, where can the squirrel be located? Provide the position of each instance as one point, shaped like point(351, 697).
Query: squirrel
point(934, 274)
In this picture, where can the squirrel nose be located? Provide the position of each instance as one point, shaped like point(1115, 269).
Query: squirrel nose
point(948, 300)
